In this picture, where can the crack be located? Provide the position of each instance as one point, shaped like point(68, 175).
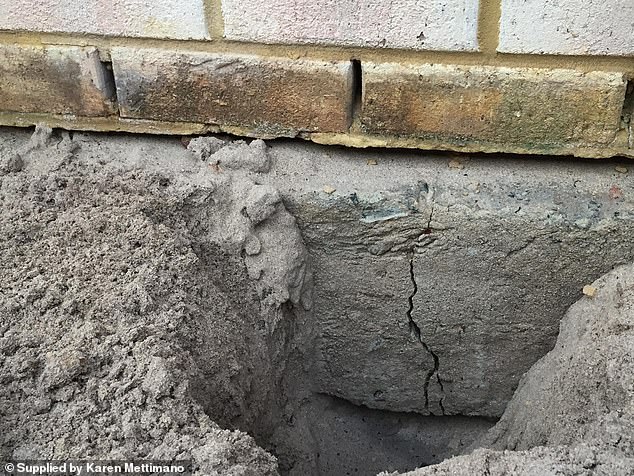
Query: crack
point(442, 388)
point(414, 330)
point(428, 229)
point(529, 242)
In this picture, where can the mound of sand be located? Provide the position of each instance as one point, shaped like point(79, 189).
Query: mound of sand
point(141, 303)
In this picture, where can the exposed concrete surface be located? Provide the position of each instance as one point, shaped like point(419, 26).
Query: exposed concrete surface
point(446, 25)
point(500, 250)
point(573, 412)
point(571, 27)
point(177, 19)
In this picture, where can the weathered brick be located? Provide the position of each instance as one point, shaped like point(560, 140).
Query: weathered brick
point(269, 96)
point(178, 19)
point(54, 79)
point(568, 27)
point(449, 25)
point(526, 108)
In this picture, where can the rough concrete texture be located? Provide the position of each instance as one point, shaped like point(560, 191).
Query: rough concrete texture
point(140, 298)
point(177, 19)
point(447, 25)
point(52, 79)
point(269, 96)
point(533, 108)
point(571, 27)
point(480, 258)
point(573, 412)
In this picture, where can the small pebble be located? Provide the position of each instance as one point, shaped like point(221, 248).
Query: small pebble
point(621, 169)
point(11, 164)
point(329, 190)
point(589, 291)
point(372, 162)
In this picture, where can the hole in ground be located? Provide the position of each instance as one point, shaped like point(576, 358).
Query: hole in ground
point(311, 433)
point(330, 436)
point(167, 321)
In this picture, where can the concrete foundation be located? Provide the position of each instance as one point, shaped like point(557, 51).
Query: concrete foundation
point(440, 280)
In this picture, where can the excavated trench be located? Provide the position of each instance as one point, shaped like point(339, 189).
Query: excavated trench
point(162, 306)
point(140, 297)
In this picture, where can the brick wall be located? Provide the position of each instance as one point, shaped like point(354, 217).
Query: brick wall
point(536, 76)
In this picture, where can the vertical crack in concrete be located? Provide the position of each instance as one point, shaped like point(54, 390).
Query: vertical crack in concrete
point(431, 217)
point(428, 230)
point(414, 330)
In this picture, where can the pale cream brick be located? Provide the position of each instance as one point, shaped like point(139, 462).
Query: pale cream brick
point(567, 27)
point(449, 25)
point(178, 19)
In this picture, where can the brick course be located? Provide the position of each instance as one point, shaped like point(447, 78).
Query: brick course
point(267, 96)
point(54, 79)
point(536, 108)
point(285, 68)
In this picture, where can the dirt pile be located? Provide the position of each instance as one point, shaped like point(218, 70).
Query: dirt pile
point(541, 461)
point(583, 390)
point(141, 303)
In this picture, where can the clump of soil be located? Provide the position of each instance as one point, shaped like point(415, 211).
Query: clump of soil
point(144, 304)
